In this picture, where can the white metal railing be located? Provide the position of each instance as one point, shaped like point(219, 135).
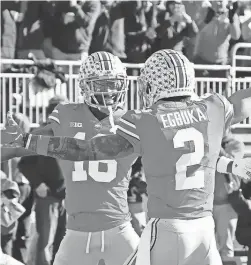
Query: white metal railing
point(237, 68)
point(18, 95)
point(34, 106)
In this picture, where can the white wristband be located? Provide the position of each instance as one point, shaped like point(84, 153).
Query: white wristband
point(222, 164)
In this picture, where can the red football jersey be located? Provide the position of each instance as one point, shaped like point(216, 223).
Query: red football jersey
point(96, 191)
point(179, 143)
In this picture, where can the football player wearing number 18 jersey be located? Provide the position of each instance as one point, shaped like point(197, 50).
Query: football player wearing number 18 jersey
point(98, 226)
point(99, 230)
point(179, 138)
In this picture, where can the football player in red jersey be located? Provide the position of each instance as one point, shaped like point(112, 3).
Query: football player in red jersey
point(179, 138)
point(98, 225)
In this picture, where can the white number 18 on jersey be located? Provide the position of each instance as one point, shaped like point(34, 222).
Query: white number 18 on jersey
point(79, 174)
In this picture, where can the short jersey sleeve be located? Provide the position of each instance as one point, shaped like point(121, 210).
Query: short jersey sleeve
point(54, 118)
point(229, 112)
point(126, 127)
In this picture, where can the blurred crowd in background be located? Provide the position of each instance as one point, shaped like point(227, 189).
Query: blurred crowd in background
point(204, 31)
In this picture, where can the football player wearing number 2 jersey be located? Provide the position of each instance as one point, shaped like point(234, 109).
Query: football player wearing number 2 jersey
point(98, 226)
point(179, 138)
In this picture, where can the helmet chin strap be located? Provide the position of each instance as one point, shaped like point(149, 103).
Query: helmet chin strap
point(111, 119)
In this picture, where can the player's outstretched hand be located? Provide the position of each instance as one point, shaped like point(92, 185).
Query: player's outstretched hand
point(12, 135)
point(242, 168)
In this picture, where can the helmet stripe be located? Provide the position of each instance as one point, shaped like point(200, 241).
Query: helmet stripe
point(106, 64)
point(174, 67)
point(101, 60)
point(105, 60)
point(180, 69)
point(109, 60)
point(104, 56)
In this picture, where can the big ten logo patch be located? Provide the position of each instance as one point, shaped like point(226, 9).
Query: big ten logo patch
point(76, 124)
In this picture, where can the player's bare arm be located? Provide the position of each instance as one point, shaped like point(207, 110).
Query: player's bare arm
point(107, 147)
point(66, 148)
point(241, 101)
point(99, 148)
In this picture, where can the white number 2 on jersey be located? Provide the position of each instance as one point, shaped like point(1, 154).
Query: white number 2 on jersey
point(79, 174)
point(197, 180)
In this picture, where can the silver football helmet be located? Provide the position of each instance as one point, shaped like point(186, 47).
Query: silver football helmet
point(166, 74)
point(103, 80)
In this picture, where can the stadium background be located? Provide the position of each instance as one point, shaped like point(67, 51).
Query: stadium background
point(35, 104)
point(18, 95)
